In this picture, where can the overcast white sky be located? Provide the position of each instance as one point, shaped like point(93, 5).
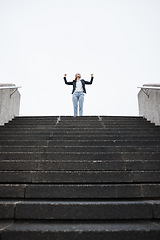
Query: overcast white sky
point(117, 40)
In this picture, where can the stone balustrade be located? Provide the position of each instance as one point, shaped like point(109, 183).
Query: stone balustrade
point(149, 102)
point(9, 102)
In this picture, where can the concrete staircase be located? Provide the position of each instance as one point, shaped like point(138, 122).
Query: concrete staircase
point(82, 178)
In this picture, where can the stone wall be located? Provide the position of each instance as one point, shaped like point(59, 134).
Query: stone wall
point(9, 103)
point(149, 103)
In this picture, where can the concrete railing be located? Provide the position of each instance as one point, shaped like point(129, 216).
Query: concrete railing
point(149, 102)
point(9, 102)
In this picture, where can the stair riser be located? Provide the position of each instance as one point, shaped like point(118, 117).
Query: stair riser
point(69, 191)
point(81, 118)
point(50, 126)
point(79, 177)
point(94, 192)
point(78, 128)
point(101, 137)
point(77, 142)
point(53, 165)
point(23, 137)
point(81, 123)
point(83, 149)
point(79, 156)
point(75, 210)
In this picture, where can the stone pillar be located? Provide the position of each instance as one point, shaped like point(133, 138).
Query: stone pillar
point(9, 102)
point(149, 102)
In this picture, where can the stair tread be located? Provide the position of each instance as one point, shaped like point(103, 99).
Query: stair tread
point(81, 231)
point(71, 209)
point(94, 226)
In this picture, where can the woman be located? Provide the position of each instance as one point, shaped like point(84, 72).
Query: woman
point(78, 92)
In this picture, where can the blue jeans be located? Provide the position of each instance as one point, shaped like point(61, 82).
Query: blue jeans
point(78, 97)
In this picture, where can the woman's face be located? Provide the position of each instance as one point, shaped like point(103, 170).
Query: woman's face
point(78, 75)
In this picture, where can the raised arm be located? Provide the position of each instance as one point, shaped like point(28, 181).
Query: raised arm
point(65, 80)
point(86, 82)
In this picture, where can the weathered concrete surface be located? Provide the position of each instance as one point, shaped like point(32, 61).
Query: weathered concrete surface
point(9, 104)
point(54, 186)
point(149, 103)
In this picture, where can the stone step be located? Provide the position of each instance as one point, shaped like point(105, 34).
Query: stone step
point(64, 118)
point(128, 124)
point(123, 117)
point(106, 123)
point(78, 128)
point(38, 137)
point(79, 156)
point(27, 127)
point(80, 120)
point(70, 123)
point(79, 176)
point(74, 210)
point(83, 118)
point(123, 120)
point(70, 118)
point(53, 132)
point(73, 121)
point(79, 230)
point(111, 123)
point(108, 120)
point(31, 121)
point(80, 124)
point(110, 132)
point(80, 165)
point(25, 133)
point(35, 118)
point(77, 142)
point(109, 129)
point(72, 148)
point(80, 191)
point(19, 137)
point(20, 121)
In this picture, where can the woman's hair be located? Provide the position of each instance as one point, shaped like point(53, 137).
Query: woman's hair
point(76, 77)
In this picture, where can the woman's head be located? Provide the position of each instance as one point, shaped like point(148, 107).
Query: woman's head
point(77, 75)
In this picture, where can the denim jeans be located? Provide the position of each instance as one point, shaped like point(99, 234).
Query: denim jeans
point(78, 97)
